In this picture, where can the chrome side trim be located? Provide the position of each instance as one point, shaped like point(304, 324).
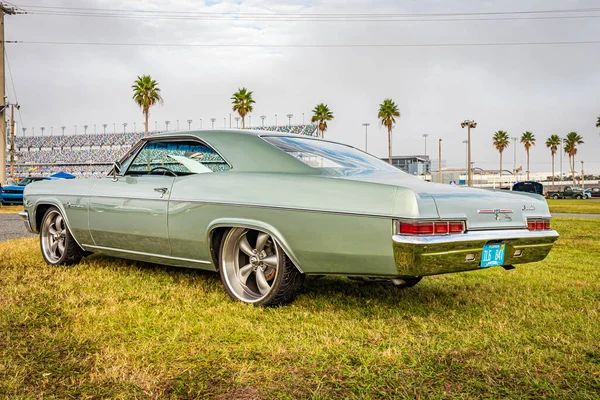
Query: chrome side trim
point(112, 196)
point(228, 203)
point(140, 253)
point(476, 236)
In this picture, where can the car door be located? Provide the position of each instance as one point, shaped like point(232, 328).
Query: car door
point(129, 212)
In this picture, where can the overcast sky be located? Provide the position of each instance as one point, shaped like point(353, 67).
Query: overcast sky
point(544, 89)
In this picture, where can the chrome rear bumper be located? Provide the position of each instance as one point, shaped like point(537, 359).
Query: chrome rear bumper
point(432, 255)
point(25, 215)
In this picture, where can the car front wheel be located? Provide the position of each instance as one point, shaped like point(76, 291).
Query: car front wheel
point(254, 269)
point(56, 242)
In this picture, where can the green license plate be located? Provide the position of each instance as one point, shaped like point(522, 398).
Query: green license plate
point(492, 255)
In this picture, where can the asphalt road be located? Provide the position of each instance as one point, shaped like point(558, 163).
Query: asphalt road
point(12, 227)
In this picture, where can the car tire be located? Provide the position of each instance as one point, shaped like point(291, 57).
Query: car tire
point(56, 241)
point(406, 282)
point(578, 197)
point(254, 269)
point(555, 197)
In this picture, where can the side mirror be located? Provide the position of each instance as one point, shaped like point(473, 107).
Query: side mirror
point(116, 170)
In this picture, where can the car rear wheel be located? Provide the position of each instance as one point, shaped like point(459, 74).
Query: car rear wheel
point(555, 197)
point(56, 242)
point(254, 269)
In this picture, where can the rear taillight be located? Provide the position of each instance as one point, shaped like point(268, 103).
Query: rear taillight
point(538, 224)
point(431, 228)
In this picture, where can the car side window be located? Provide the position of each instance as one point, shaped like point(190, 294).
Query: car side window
point(178, 157)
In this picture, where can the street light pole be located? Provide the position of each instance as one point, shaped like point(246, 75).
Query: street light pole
point(85, 129)
point(582, 176)
point(262, 117)
point(201, 123)
point(302, 118)
point(167, 126)
point(440, 161)
point(213, 122)
point(189, 121)
point(103, 126)
point(469, 124)
point(466, 160)
point(290, 120)
point(24, 129)
point(425, 135)
point(366, 125)
point(63, 129)
point(42, 128)
point(124, 127)
point(237, 120)
point(514, 139)
point(275, 119)
point(561, 162)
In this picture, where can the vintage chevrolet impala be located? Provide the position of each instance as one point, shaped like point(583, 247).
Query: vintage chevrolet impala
point(266, 210)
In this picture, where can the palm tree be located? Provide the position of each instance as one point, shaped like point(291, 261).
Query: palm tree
point(571, 142)
point(388, 111)
point(501, 142)
point(322, 114)
point(146, 93)
point(528, 140)
point(242, 103)
point(598, 123)
point(552, 143)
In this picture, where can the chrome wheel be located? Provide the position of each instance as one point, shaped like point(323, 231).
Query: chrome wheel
point(251, 264)
point(53, 236)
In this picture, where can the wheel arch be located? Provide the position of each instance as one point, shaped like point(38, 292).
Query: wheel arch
point(217, 229)
point(39, 210)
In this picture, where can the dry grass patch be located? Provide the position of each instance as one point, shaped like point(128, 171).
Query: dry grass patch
point(113, 328)
point(10, 209)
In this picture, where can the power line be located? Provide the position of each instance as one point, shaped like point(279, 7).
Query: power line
point(213, 18)
point(320, 45)
point(571, 10)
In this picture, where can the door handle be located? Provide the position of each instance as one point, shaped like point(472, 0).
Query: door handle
point(162, 191)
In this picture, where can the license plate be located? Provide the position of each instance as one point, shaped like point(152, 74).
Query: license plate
point(492, 255)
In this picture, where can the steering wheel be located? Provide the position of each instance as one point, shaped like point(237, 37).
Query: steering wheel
point(167, 170)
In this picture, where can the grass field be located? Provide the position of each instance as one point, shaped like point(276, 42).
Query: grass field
point(10, 209)
point(588, 206)
point(109, 328)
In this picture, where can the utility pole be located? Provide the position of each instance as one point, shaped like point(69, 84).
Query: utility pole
point(440, 161)
point(3, 11)
point(425, 136)
point(13, 129)
point(582, 174)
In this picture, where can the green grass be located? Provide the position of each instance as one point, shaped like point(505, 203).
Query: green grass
point(119, 329)
point(10, 209)
point(588, 206)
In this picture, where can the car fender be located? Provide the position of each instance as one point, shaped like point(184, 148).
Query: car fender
point(253, 224)
point(56, 203)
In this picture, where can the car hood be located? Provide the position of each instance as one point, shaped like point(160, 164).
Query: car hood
point(482, 208)
point(14, 188)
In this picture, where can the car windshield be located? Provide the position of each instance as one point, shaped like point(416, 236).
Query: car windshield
point(329, 155)
point(25, 182)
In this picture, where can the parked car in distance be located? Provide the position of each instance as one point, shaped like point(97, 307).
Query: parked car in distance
point(265, 210)
point(569, 192)
point(13, 194)
point(529, 187)
point(594, 191)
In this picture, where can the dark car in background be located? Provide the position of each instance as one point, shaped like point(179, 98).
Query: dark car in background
point(595, 191)
point(529, 187)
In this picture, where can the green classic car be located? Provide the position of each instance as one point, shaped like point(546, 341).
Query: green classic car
point(266, 210)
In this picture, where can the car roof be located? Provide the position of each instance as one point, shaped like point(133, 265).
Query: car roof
point(245, 150)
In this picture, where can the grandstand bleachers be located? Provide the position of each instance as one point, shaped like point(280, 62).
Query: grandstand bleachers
point(91, 155)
